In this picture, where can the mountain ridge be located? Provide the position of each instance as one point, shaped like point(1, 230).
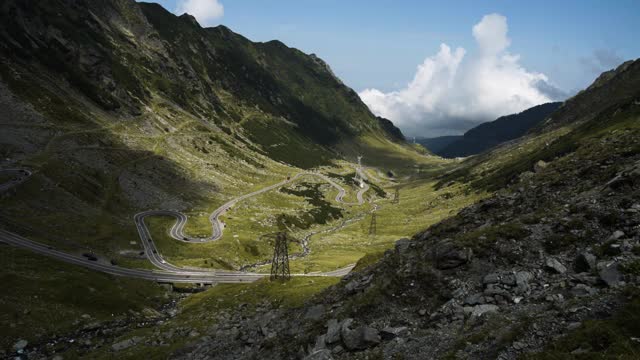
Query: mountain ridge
point(492, 133)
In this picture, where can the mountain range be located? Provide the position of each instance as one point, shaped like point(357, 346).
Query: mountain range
point(490, 134)
point(151, 169)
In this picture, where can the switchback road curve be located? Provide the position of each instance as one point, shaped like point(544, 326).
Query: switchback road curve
point(177, 230)
point(169, 272)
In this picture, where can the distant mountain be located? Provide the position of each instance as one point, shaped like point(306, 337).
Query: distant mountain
point(437, 144)
point(490, 134)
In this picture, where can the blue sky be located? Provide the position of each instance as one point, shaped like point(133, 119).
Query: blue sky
point(378, 44)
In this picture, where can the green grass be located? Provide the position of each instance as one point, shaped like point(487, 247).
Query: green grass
point(199, 311)
point(289, 294)
point(368, 260)
point(420, 206)
point(43, 296)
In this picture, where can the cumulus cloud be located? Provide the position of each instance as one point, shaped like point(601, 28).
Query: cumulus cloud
point(205, 11)
point(453, 91)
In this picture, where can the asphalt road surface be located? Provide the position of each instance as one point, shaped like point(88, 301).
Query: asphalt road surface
point(19, 176)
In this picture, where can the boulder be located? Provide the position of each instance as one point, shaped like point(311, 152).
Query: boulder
point(616, 235)
point(522, 279)
point(492, 278)
point(581, 290)
point(449, 256)
point(361, 338)
point(474, 299)
point(508, 279)
point(610, 275)
point(539, 166)
point(585, 262)
point(554, 265)
point(20, 344)
point(333, 332)
point(320, 343)
point(390, 333)
point(480, 310)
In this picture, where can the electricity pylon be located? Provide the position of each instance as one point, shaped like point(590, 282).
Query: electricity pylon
point(373, 225)
point(396, 197)
point(280, 262)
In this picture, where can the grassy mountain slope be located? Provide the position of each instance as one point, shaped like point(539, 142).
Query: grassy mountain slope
point(123, 55)
point(121, 107)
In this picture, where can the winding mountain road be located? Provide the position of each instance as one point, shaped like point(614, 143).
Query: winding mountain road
point(168, 272)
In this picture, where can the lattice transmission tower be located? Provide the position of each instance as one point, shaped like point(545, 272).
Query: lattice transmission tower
point(373, 226)
point(280, 262)
point(396, 197)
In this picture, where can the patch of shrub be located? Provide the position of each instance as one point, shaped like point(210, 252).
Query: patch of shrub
point(559, 242)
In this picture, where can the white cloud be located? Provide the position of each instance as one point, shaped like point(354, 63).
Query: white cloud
point(452, 91)
point(205, 11)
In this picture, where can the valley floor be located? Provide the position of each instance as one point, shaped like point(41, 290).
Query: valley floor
point(337, 235)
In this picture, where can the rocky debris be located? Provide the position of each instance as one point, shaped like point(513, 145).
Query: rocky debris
point(402, 246)
point(315, 313)
point(554, 265)
point(358, 284)
point(322, 354)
